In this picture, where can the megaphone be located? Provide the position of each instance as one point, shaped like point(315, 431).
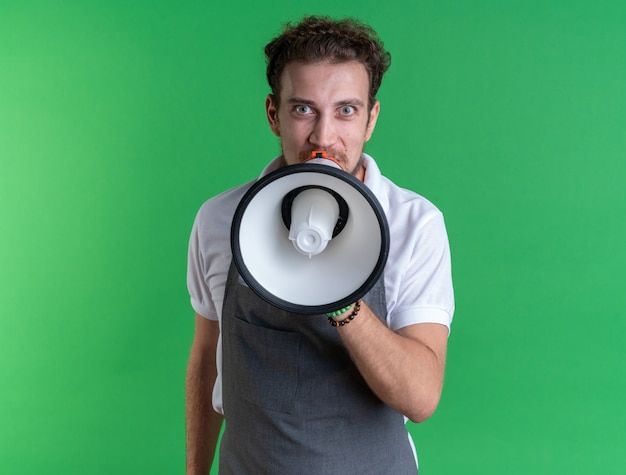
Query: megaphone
point(310, 238)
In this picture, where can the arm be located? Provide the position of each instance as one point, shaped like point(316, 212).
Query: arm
point(405, 368)
point(203, 423)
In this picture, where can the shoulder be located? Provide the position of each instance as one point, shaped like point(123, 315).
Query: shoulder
point(398, 203)
point(406, 204)
point(219, 210)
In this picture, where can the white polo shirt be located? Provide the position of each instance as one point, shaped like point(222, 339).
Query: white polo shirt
point(417, 276)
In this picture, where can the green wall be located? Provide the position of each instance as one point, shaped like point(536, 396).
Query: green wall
point(118, 119)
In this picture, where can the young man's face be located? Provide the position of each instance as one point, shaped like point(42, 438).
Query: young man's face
point(323, 106)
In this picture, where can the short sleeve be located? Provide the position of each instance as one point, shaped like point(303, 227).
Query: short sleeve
point(199, 292)
point(425, 286)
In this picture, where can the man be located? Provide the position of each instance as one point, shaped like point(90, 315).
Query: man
point(300, 395)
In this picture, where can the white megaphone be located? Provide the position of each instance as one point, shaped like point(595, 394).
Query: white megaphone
point(310, 238)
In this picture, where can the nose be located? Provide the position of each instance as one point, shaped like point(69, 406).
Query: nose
point(324, 133)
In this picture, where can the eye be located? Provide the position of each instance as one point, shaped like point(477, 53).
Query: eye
point(303, 109)
point(347, 110)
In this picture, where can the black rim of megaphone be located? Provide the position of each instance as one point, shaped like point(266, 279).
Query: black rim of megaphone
point(290, 306)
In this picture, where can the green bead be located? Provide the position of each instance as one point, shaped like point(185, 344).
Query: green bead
point(336, 313)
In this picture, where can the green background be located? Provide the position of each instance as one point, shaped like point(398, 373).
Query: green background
point(118, 119)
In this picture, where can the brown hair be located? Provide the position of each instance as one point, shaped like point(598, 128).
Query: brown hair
point(319, 38)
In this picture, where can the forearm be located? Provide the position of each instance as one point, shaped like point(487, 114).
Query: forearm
point(203, 423)
point(402, 369)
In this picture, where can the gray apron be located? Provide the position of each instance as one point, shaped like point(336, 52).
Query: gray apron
point(294, 403)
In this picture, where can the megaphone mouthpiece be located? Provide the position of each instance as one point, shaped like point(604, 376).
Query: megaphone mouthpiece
point(321, 158)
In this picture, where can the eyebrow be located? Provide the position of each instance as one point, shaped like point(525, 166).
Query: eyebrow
point(345, 102)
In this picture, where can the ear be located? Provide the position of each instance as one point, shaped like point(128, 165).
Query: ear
point(371, 124)
point(272, 115)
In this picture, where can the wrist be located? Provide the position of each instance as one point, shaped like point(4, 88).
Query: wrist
point(339, 318)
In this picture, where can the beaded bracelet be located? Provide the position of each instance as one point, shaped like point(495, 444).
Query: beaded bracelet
point(336, 313)
point(348, 319)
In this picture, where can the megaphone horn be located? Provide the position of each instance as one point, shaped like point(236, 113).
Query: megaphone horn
point(310, 238)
